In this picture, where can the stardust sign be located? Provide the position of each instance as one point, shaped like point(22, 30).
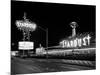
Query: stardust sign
point(77, 42)
point(26, 25)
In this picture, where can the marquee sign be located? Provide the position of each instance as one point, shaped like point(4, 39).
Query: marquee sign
point(77, 42)
point(26, 45)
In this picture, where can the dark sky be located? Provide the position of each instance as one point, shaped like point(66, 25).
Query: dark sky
point(55, 17)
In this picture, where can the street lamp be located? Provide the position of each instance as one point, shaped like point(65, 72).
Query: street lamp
point(46, 30)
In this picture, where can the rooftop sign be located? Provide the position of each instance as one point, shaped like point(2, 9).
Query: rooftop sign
point(77, 42)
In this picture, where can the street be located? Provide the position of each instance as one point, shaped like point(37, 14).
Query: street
point(37, 65)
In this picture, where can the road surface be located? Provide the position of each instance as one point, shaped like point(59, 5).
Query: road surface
point(33, 65)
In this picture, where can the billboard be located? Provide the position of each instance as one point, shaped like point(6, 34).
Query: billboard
point(25, 45)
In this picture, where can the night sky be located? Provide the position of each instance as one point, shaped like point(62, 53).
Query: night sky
point(55, 17)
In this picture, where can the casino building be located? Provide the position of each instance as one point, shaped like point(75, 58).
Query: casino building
point(77, 46)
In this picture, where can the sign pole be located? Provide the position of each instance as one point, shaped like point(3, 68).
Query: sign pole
point(26, 26)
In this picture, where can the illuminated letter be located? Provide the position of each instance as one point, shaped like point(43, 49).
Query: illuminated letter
point(79, 42)
point(65, 44)
point(71, 43)
point(62, 43)
point(88, 38)
point(68, 44)
point(75, 43)
point(84, 41)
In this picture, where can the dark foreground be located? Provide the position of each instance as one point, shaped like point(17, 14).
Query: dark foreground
point(33, 65)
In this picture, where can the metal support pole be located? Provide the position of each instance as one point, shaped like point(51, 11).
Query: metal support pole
point(47, 41)
point(73, 32)
point(24, 35)
point(46, 30)
point(23, 53)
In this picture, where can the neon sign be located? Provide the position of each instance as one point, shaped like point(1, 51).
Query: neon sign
point(26, 25)
point(77, 42)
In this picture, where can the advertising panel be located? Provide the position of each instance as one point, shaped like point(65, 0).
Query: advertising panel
point(25, 45)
